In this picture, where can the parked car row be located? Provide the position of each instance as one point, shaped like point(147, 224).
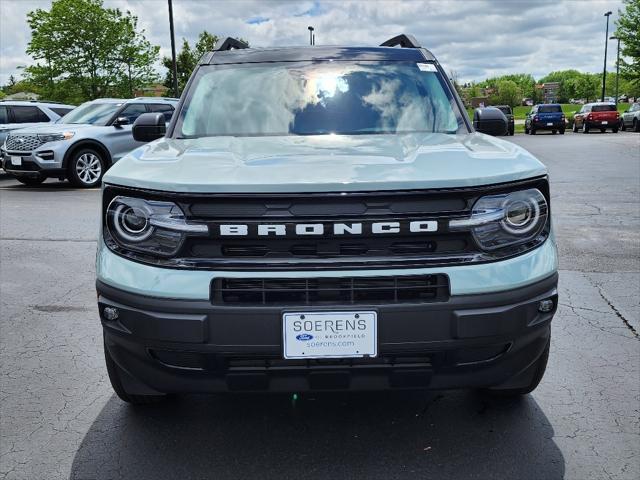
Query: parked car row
point(601, 116)
point(82, 144)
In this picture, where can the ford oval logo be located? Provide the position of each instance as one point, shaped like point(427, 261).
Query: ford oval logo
point(303, 337)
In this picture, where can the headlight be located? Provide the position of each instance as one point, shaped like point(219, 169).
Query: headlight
point(55, 137)
point(507, 219)
point(149, 226)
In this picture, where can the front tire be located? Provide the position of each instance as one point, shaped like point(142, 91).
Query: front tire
point(585, 127)
point(533, 131)
point(574, 129)
point(540, 366)
point(623, 126)
point(86, 168)
point(636, 125)
point(31, 181)
point(114, 377)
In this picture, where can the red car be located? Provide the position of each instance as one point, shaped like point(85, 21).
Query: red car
point(597, 115)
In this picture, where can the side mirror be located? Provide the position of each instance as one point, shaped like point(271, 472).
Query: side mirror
point(149, 127)
point(121, 121)
point(491, 121)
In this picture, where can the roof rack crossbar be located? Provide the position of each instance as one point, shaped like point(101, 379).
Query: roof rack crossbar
point(403, 41)
point(229, 43)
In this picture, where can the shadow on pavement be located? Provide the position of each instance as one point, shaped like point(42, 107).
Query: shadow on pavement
point(374, 435)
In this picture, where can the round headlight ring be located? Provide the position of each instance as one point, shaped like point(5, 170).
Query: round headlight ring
point(520, 215)
point(131, 223)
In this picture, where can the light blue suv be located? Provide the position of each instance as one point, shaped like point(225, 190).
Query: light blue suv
point(324, 218)
point(83, 144)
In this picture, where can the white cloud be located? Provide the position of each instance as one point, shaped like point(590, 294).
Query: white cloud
point(476, 38)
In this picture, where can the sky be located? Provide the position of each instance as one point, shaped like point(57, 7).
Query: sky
point(475, 39)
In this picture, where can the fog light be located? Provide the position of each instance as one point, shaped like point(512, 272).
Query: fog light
point(545, 306)
point(110, 313)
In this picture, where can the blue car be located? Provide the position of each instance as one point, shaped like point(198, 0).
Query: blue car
point(546, 116)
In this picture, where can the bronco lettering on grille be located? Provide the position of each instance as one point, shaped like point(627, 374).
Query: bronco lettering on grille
point(310, 229)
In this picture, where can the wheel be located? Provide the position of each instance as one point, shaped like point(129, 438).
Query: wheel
point(31, 181)
point(602, 130)
point(575, 127)
point(585, 127)
point(636, 125)
point(540, 366)
point(512, 131)
point(114, 377)
point(533, 131)
point(614, 130)
point(526, 131)
point(553, 132)
point(623, 126)
point(562, 131)
point(86, 168)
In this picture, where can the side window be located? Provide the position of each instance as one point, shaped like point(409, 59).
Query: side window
point(28, 114)
point(4, 115)
point(133, 111)
point(61, 111)
point(163, 108)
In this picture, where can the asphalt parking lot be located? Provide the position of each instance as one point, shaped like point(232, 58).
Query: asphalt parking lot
point(59, 418)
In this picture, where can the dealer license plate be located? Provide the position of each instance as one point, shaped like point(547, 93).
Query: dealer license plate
point(16, 161)
point(330, 334)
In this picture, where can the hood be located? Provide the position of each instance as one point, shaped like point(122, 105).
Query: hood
point(324, 163)
point(51, 128)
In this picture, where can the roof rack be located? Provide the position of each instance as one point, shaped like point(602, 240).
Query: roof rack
point(403, 41)
point(229, 43)
point(30, 101)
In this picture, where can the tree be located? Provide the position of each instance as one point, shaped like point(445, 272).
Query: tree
point(187, 59)
point(508, 93)
point(628, 31)
point(85, 51)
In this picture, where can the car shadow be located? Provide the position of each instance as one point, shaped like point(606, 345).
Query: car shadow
point(452, 434)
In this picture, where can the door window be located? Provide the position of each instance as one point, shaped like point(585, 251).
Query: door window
point(28, 114)
point(133, 111)
point(4, 115)
point(162, 108)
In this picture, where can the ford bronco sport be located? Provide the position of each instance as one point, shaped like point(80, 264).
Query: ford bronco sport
point(324, 218)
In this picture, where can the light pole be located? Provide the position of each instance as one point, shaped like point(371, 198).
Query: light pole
point(311, 36)
point(617, 64)
point(606, 42)
point(174, 65)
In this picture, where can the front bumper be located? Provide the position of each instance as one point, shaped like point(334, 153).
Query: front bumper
point(46, 160)
point(173, 346)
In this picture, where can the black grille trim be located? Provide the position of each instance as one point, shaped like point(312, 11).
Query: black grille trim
point(331, 290)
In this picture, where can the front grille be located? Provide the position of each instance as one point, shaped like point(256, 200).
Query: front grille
point(333, 247)
point(22, 143)
point(338, 290)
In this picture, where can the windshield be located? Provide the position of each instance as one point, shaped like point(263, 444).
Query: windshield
point(315, 98)
point(91, 113)
point(550, 109)
point(603, 108)
point(505, 110)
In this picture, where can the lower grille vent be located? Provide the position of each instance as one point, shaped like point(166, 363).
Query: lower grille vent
point(340, 290)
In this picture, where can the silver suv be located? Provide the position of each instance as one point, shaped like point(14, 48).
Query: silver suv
point(83, 144)
point(15, 114)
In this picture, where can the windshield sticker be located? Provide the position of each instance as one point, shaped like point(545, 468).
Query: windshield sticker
point(427, 67)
